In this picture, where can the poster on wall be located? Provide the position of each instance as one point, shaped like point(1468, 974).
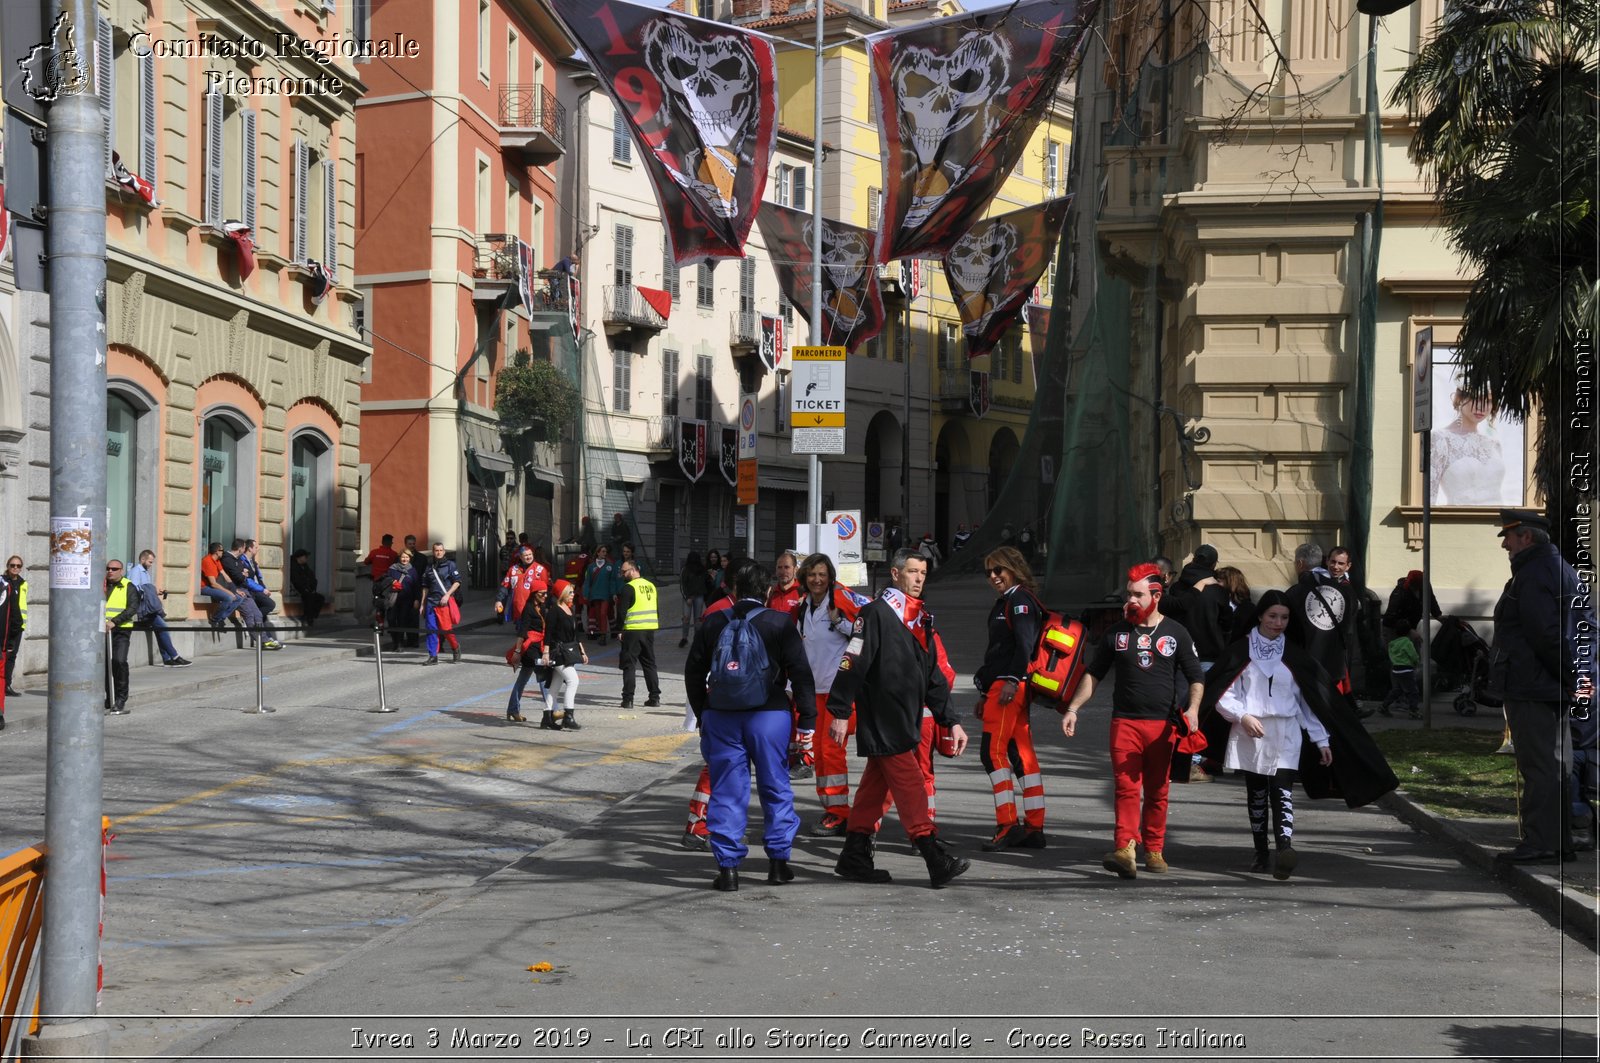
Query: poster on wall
point(1479, 453)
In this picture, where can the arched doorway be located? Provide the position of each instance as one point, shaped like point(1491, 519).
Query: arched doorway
point(881, 494)
point(950, 455)
point(1003, 451)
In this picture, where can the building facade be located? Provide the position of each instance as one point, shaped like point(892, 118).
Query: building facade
point(456, 158)
point(232, 406)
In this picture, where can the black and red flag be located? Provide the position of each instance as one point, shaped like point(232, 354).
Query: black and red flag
point(996, 265)
point(852, 305)
point(958, 99)
point(702, 101)
point(692, 448)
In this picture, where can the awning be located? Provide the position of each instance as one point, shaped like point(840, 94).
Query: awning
point(782, 478)
point(624, 465)
point(494, 461)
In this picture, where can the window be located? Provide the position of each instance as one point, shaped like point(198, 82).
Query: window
point(782, 184)
point(621, 140)
point(797, 191)
point(780, 404)
point(671, 388)
point(622, 380)
point(997, 361)
point(361, 25)
point(123, 75)
point(311, 501)
point(669, 270)
point(511, 56)
point(949, 336)
point(705, 295)
point(316, 203)
point(513, 215)
point(536, 236)
point(483, 39)
point(1052, 166)
point(622, 274)
point(122, 475)
point(480, 198)
point(874, 208)
point(706, 8)
point(747, 287)
point(786, 311)
point(1016, 357)
point(902, 342)
point(227, 477)
point(703, 395)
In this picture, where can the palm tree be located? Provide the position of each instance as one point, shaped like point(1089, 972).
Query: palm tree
point(1506, 105)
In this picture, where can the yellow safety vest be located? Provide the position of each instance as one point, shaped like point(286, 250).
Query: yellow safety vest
point(642, 614)
point(117, 601)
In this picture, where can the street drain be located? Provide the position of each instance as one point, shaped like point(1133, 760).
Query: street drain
point(394, 773)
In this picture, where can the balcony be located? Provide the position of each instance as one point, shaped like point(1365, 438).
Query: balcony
point(532, 122)
point(744, 331)
point(495, 267)
point(955, 390)
point(1137, 176)
point(757, 10)
point(552, 294)
point(626, 311)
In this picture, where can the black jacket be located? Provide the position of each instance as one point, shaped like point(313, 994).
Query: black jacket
point(1199, 609)
point(1015, 621)
point(1322, 620)
point(889, 678)
point(1359, 773)
point(1536, 621)
point(785, 651)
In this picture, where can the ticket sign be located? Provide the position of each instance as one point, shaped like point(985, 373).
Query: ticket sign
point(816, 400)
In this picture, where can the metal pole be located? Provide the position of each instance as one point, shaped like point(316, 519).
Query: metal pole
point(261, 704)
point(905, 429)
point(377, 655)
point(750, 531)
point(76, 243)
point(1427, 582)
point(814, 462)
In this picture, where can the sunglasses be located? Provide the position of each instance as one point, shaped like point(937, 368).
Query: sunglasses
point(113, 568)
point(997, 570)
point(18, 565)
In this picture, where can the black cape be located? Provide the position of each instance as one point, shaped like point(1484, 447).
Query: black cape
point(1359, 773)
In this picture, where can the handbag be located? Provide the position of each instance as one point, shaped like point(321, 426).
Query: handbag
point(567, 655)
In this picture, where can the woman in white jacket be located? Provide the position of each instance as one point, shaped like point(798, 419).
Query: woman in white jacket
point(1267, 712)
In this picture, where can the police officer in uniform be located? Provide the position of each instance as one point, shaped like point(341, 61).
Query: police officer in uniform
point(121, 606)
point(641, 617)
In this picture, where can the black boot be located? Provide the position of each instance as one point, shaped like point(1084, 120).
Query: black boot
point(779, 873)
point(570, 723)
point(942, 867)
point(855, 863)
point(1263, 861)
point(727, 880)
point(547, 722)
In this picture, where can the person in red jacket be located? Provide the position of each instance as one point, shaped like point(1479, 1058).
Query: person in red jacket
point(1007, 748)
point(524, 577)
point(826, 616)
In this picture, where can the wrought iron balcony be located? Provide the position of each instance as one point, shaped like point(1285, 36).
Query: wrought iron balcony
point(495, 266)
point(533, 122)
point(744, 330)
point(955, 390)
point(625, 310)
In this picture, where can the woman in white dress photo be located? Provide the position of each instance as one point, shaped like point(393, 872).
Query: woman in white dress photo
point(1469, 463)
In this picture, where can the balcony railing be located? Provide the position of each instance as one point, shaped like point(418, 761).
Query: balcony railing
point(625, 309)
point(744, 329)
point(533, 122)
point(755, 10)
point(495, 266)
point(552, 294)
point(1136, 178)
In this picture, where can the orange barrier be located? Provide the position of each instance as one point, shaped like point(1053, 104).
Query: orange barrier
point(21, 919)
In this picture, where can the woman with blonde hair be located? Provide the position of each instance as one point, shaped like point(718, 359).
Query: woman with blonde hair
point(1015, 624)
point(566, 652)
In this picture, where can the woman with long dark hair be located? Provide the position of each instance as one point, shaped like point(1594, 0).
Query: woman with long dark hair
point(692, 582)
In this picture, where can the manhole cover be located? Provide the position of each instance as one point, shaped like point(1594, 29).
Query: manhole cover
point(393, 773)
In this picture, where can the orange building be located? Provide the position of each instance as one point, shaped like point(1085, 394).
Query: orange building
point(455, 162)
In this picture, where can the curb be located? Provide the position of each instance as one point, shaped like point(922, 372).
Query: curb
point(1567, 907)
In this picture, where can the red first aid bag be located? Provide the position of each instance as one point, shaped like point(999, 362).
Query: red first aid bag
point(1059, 663)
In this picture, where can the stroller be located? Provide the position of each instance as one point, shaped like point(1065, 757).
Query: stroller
point(1462, 658)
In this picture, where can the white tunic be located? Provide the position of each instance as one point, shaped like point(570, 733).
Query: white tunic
point(1267, 690)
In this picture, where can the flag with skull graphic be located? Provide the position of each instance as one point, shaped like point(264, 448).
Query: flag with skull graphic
point(993, 268)
point(701, 100)
point(852, 305)
point(958, 99)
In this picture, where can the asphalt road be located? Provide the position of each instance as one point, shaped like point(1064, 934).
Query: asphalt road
point(249, 850)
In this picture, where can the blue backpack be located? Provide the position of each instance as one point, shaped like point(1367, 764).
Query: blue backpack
point(738, 679)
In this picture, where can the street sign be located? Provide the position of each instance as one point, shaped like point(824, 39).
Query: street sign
point(847, 524)
point(817, 400)
point(875, 551)
point(749, 437)
point(746, 488)
point(1422, 382)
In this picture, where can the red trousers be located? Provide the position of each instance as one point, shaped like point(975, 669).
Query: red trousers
point(1141, 756)
point(698, 803)
point(832, 761)
point(1007, 745)
point(901, 778)
point(600, 616)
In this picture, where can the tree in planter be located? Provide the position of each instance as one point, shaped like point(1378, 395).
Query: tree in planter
point(533, 396)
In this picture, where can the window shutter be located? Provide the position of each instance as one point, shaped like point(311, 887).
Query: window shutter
point(669, 269)
point(874, 207)
point(213, 154)
point(747, 286)
point(302, 163)
point(624, 257)
point(330, 219)
point(799, 189)
point(669, 383)
point(783, 184)
point(249, 155)
point(621, 145)
point(105, 84)
point(147, 117)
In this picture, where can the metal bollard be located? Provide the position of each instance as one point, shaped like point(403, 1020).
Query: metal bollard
point(377, 655)
point(261, 705)
point(108, 671)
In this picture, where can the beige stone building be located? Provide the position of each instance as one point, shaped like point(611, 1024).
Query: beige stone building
point(233, 398)
point(1267, 310)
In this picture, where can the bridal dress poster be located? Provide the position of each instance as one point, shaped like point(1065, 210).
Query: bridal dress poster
point(1479, 454)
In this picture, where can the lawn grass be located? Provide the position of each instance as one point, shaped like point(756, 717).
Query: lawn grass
point(1454, 771)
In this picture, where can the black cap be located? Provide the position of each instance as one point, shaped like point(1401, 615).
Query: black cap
point(1518, 519)
point(1205, 554)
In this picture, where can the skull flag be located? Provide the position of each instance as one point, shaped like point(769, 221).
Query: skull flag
point(852, 306)
point(728, 463)
point(692, 448)
point(958, 99)
point(995, 266)
point(701, 99)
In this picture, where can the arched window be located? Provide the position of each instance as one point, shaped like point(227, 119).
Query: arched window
point(227, 478)
point(123, 467)
point(311, 481)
